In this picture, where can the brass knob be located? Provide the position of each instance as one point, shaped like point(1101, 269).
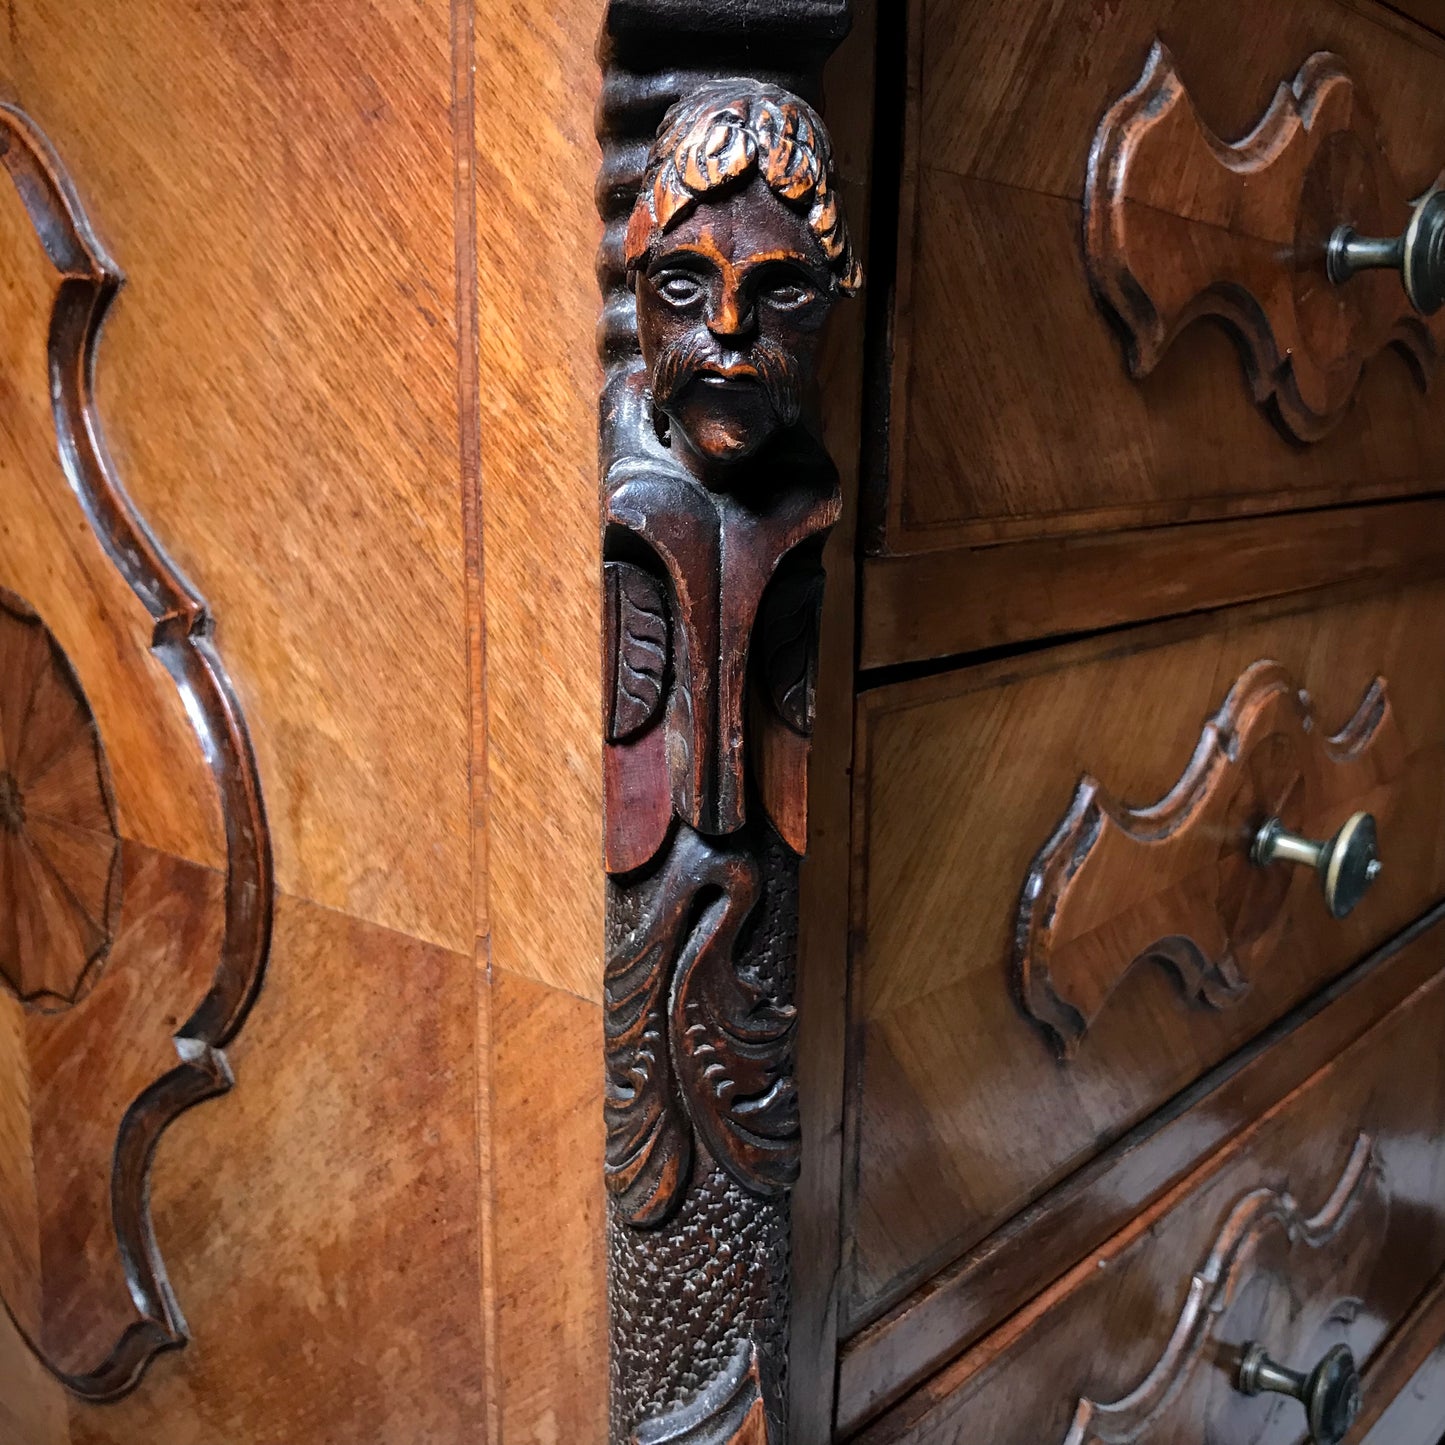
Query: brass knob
point(1418, 255)
point(1330, 1392)
point(1346, 864)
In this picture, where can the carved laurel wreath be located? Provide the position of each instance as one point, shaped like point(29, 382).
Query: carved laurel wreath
point(718, 137)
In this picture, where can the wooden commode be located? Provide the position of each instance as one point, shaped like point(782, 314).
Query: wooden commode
point(722, 722)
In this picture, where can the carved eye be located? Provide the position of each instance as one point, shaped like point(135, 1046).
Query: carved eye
point(678, 288)
point(790, 292)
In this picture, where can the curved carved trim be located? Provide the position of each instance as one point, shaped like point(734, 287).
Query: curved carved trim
point(182, 641)
point(1116, 885)
point(60, 873)
point(1212, 1289)
point(1180, 224)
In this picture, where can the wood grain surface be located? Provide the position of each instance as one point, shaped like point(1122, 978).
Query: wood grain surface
point(325, 237)
point(1001, 1274)
point(1018, 416)
point(321, 1220)
point(946, 603)
point(163, 792)
point(535, 163)
point(351, 382)
point(961, 778)
point(278, 388)
point(1105, 1326)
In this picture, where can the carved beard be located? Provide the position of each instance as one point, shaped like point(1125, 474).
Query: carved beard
point(681, 365)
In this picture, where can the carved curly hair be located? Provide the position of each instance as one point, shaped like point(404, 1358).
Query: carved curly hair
point(718, 137)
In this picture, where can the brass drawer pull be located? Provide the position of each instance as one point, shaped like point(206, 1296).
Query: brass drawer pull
point(1418, 254)
point(1347, 864)
point(1330, 1392)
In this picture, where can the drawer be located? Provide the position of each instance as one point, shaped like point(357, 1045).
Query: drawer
point(1014, 412)
point(1322, 1225)
point(1056, 923)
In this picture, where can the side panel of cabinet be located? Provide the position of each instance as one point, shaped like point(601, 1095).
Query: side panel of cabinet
point(277, 383)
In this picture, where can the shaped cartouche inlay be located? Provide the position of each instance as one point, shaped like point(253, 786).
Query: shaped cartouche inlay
point(1174, 883)
point(115, 1011)
point(1181, 224)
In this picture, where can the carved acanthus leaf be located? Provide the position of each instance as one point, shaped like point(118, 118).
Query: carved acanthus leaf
point(726, 1072)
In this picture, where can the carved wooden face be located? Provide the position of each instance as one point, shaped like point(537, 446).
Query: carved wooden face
point(729, 309)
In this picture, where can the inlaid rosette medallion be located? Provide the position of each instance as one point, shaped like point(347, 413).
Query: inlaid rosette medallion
point(60, 875)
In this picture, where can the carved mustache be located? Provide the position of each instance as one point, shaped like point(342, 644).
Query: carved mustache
point(680, 365)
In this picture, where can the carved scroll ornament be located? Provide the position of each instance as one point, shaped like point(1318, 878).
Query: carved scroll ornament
point(64, 908)
point(1181, 224)
point(717, 495)
point(1174, 883)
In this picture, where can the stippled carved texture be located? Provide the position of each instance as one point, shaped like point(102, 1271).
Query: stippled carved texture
point(724, 1257)
point(713, 1271)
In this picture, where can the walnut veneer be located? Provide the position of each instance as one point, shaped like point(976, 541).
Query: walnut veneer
point(1121, 604)
point(746, 933)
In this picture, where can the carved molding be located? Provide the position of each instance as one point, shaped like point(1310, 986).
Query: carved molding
point(724, 250)
point(1172, 882)
point(1213, 1288)
point(60, 874)
point(182, 640)
point(1181, 224)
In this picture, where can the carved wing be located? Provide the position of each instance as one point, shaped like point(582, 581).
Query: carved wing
point(792, 615)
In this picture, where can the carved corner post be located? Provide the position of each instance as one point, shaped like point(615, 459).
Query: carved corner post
point(724, 252)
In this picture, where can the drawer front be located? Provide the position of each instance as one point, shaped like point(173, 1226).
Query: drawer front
point(1046, 952)
point(1322, 1225)
point(1015, 413)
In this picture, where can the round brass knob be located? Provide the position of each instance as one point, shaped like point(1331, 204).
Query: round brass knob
point(1330, 1392)
point(1346, 864)
point(1418, 255)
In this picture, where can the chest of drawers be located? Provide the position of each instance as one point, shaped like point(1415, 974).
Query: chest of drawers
point(1123, 411)
point(904, 907)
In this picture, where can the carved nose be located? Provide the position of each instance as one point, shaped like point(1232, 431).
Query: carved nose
point(731, 319)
